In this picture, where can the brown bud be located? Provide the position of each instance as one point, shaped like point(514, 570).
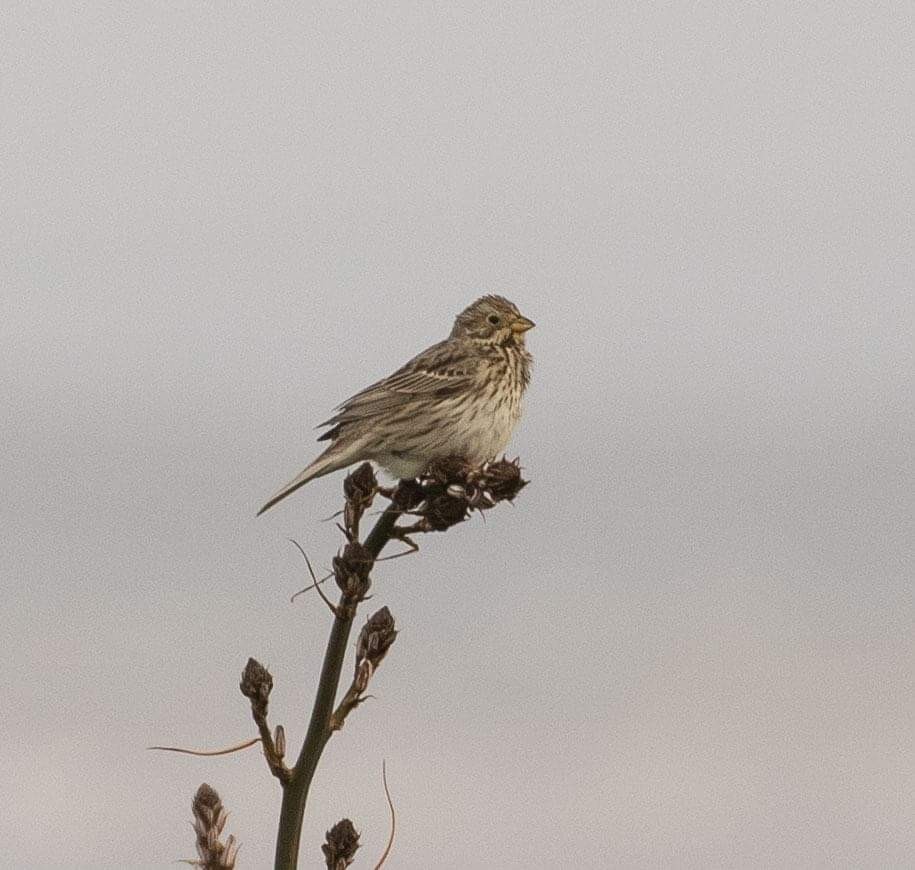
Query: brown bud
point(206, 800)
point(209, 821)
point(450, 470)
point(359, 488)
point(342, 843)
point(376, 638)
point(351, 570)
point(256, 684)
point(444, 511)
point(361, 484)
point(502, 479)
point(409, 494)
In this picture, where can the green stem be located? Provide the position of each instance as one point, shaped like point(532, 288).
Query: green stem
point(295, 791)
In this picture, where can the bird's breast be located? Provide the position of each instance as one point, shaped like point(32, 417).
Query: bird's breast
point(487, 419)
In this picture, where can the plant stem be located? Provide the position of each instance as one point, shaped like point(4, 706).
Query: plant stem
point(295, 791)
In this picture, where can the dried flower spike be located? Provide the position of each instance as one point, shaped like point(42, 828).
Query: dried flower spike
point(351, 570)
point(376, 638)
point(374, 641)
point(444, 511)
point(453, 487)
point(359, 488)
point(361, 484)
point(342, 843)
point(408, 495)
point(209, 820)
point(502, 479)
point(450, 470)
point(256, 684)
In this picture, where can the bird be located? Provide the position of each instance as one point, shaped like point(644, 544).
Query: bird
point(459, 397)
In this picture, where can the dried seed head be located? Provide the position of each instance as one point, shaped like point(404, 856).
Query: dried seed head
point(451, 469)
point(502, 479)
point(209, 820)
point(359, 488)
point(376, 638)
point(206, 802)
point(444, 511)
point(256, 684)
point(342, 843)
point(453, 487)
point(361, 484)
point(351, 570)
point(408, 495)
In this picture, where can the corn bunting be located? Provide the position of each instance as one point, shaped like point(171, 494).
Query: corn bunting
point(460, 397)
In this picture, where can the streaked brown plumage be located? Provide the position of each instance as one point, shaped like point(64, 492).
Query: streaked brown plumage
point(461, 396)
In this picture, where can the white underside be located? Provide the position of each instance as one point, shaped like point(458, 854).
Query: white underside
point(478, 439)
point(401, 467)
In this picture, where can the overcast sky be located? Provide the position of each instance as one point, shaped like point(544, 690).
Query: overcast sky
point(690, 644)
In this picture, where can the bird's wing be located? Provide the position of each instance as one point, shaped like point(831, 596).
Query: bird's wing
point(438, 372)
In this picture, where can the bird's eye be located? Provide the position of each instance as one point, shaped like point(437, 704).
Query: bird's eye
point(493, 319)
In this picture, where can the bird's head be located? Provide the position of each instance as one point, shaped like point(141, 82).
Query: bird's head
point(492, 319)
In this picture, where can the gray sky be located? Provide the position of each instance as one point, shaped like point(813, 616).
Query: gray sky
point(691, 642)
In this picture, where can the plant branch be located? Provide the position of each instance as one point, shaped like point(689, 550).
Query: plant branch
point(449, 491)
point(446, 495)
point(295, 790)
point(256, 685)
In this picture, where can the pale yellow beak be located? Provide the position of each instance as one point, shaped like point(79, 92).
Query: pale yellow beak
point(522, 324)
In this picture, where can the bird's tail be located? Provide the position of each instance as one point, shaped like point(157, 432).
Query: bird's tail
point(330, 460)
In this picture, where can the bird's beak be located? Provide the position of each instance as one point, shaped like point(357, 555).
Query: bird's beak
point(522, 324)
